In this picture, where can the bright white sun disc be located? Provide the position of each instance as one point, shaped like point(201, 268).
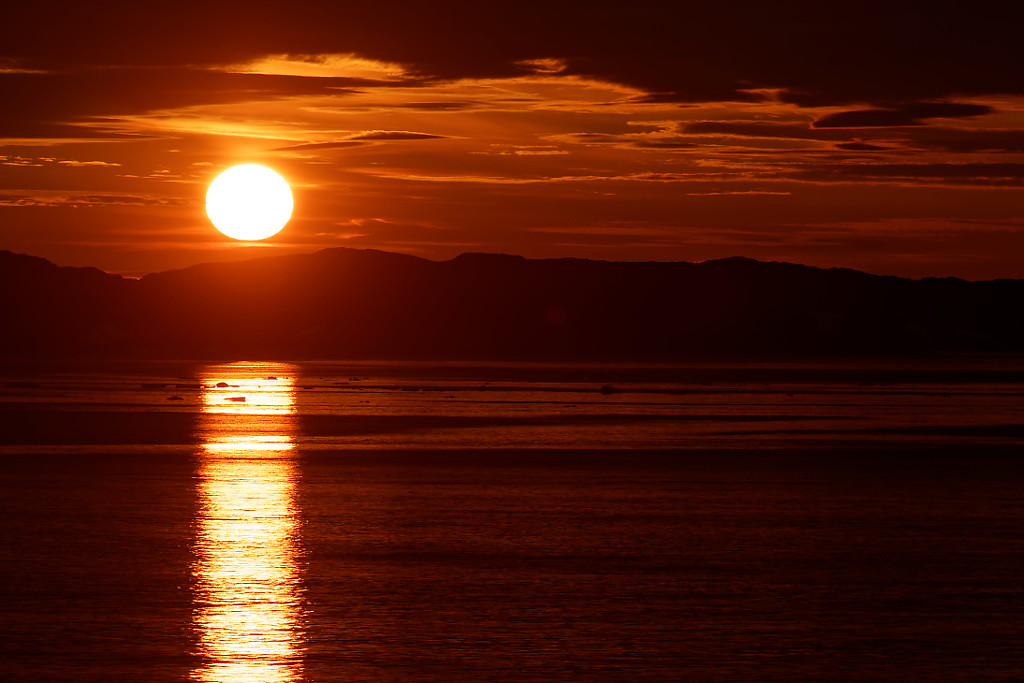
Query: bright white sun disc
point(249, 202)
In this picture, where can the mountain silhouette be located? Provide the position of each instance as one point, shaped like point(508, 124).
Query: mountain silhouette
point(347, 303)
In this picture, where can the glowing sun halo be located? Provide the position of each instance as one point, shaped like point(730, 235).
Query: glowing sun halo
point(249, 202)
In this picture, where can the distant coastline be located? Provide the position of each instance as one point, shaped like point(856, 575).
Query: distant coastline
point(365, 304)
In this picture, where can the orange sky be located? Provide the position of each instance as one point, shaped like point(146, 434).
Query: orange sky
point(888, 141)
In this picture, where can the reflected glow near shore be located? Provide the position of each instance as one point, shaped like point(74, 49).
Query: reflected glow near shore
point(247, 599)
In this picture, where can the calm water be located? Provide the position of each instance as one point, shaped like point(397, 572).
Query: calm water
point(385, 522)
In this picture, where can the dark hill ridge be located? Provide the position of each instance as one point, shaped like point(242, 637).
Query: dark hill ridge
point(346, 303)
point(50, 310)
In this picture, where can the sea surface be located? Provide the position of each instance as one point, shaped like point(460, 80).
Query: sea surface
point(287, 522)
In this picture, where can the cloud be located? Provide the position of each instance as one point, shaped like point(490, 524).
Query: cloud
point(41, 105)
point(82, 199)
point(860, 147)
point(812, 53)
point(17, 160)
point(524, 150)
point(761, 129)
point(908, 115)
point(963, 141)
point(990, 174)
point(362, 138)
point(667, 144)
point(350, 66)
point(699, 94)
point(543, 66)
point(339, 144)
point(393, 135)
point(595, 138)
point(713, 135)
point(435, 106)
point(72, 162)
point(655, 140)
point(960, 140)
point(767, 193)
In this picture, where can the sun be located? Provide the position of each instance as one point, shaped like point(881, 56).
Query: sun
point(249, 202)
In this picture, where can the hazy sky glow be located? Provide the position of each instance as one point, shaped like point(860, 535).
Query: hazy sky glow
point(886, 137)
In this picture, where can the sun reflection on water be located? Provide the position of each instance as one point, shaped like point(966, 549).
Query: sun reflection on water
point(247, 600)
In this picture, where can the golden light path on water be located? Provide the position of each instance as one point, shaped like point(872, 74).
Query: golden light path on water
point(247, 601)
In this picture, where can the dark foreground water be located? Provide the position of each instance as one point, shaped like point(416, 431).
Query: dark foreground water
point(327, 522)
